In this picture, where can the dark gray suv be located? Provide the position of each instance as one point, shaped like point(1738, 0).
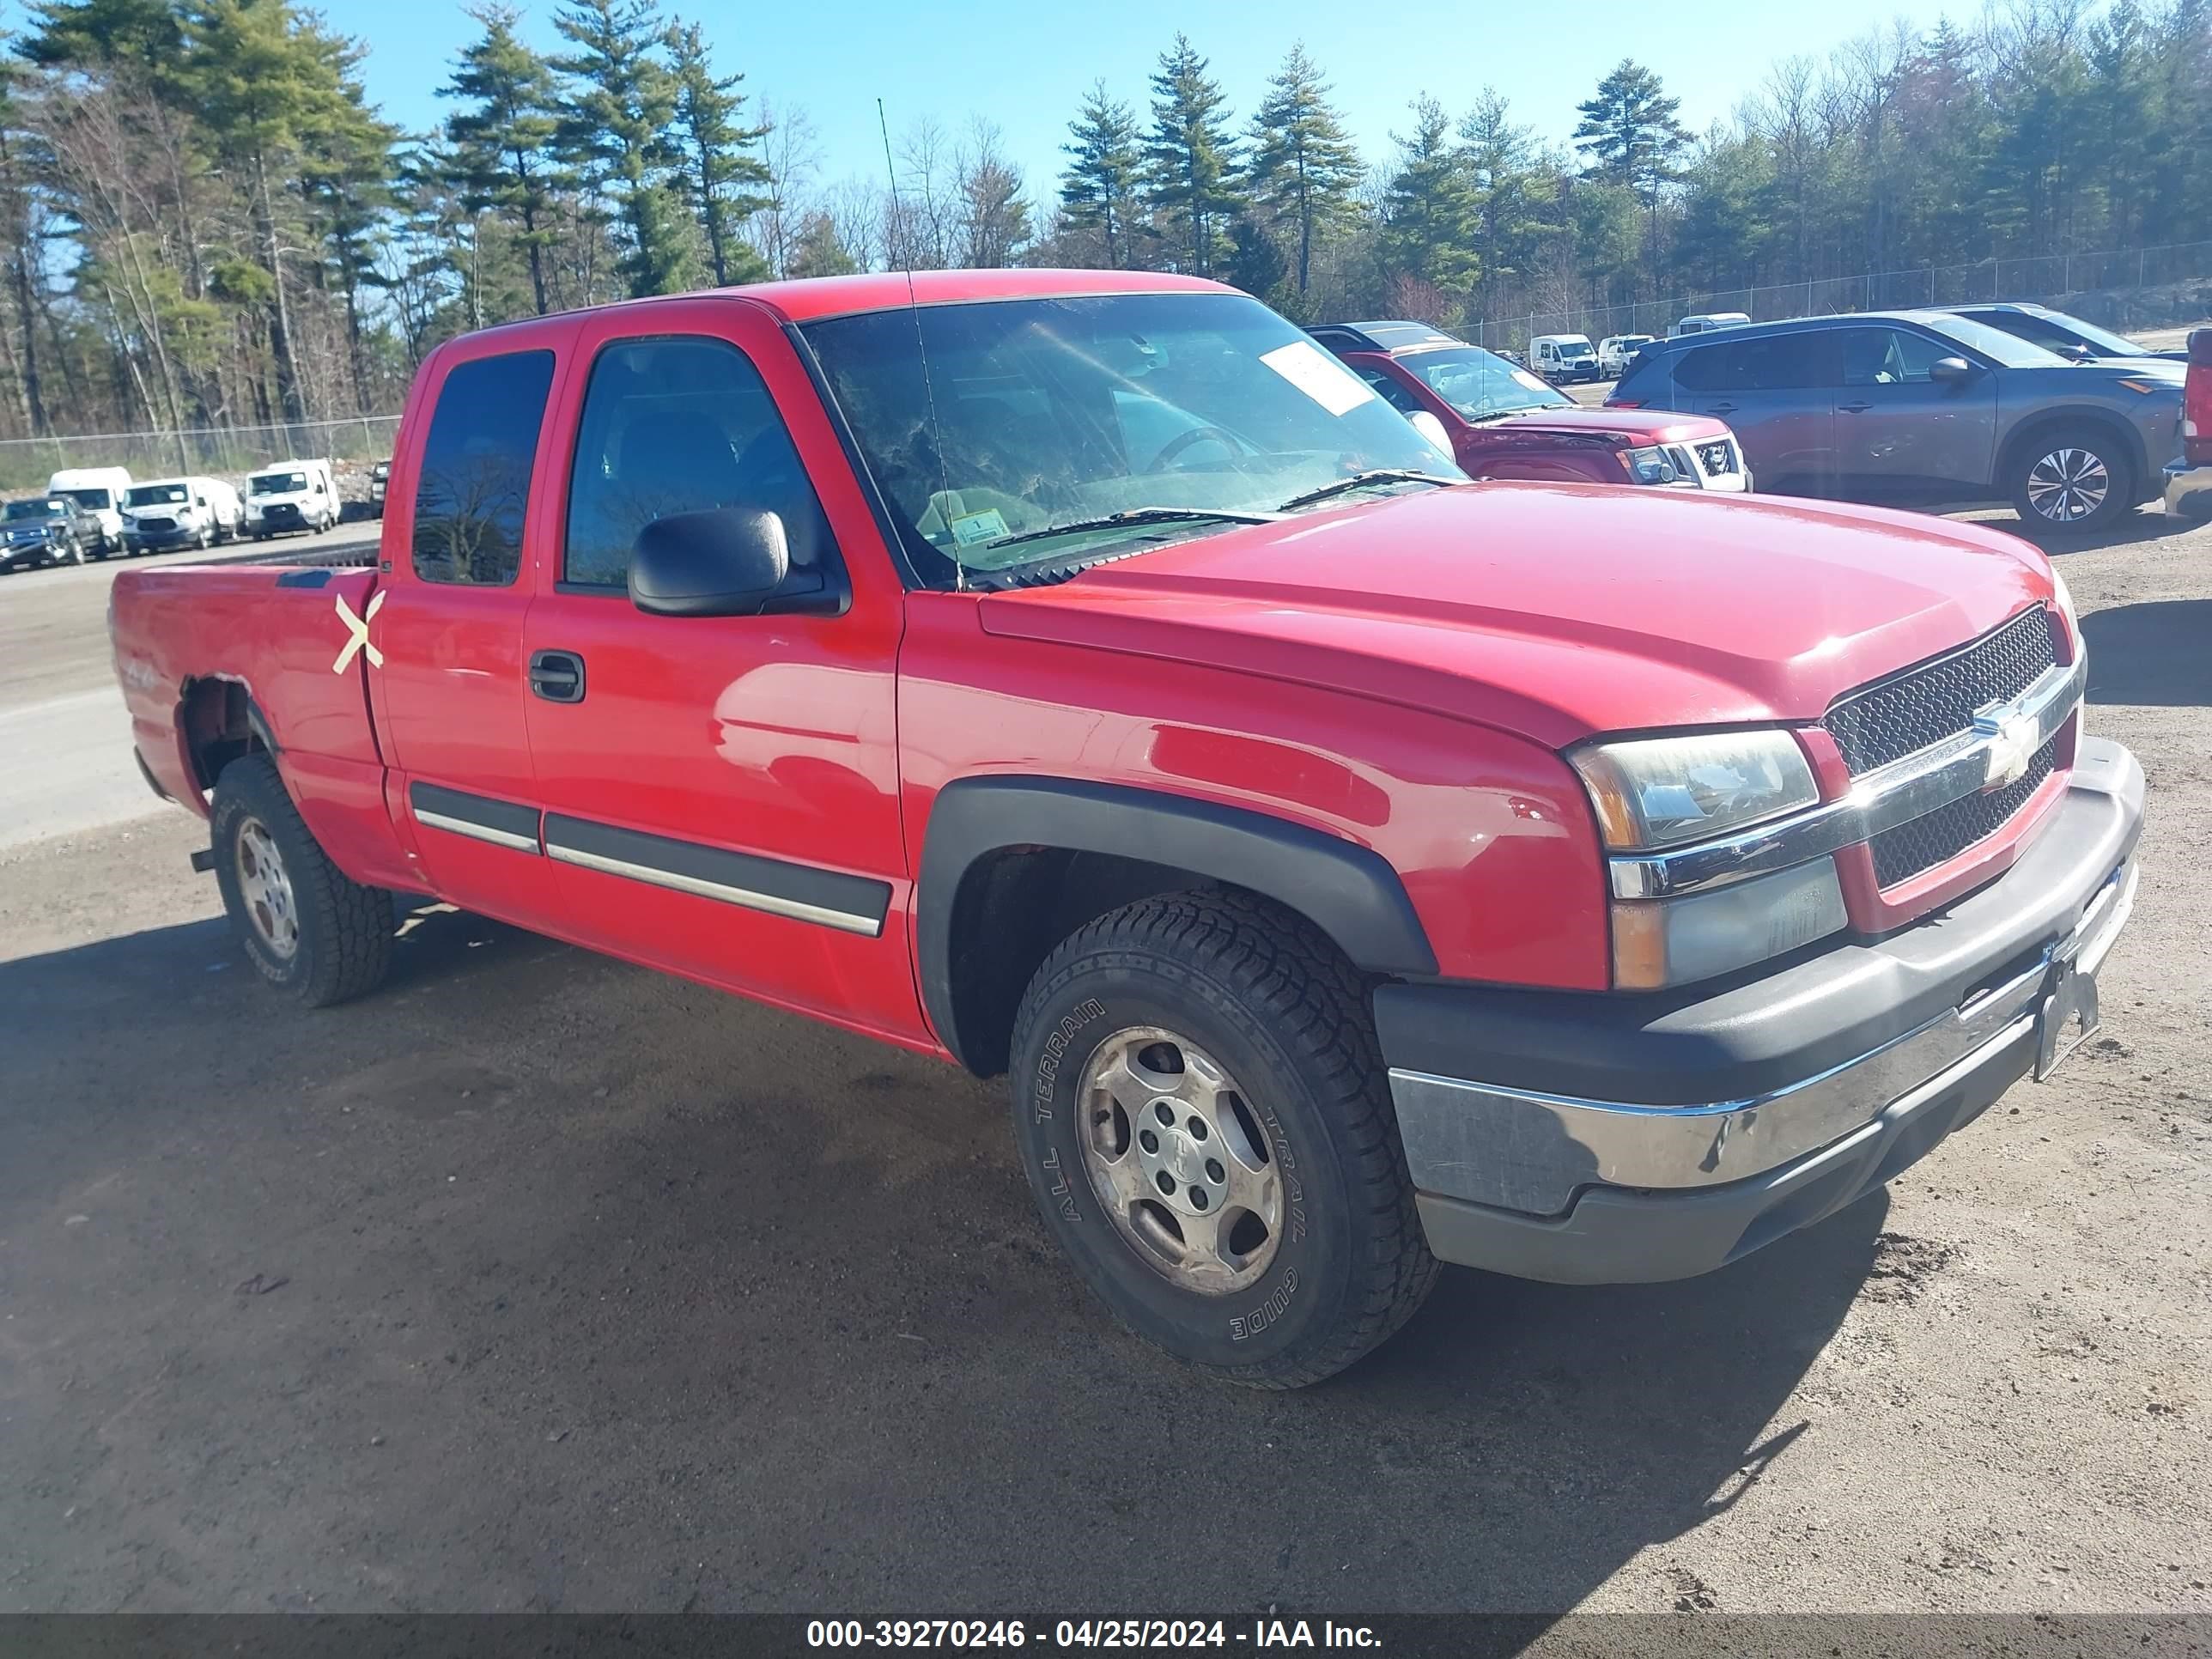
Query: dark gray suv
point(1924, 409)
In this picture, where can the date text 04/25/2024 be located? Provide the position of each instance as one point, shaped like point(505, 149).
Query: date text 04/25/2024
point(1110, 1633)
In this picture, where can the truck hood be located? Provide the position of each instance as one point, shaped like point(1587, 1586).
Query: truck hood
point(1556, 611)
point(1643, 426)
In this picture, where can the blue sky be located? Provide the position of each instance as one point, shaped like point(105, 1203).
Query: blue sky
point(1024, 63)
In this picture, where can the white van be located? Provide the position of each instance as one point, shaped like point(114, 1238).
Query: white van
point(1616, 351)
point(286, 497)
point(166, 513)
point(100, 490)
point(1562, 357)
point(1706, 322)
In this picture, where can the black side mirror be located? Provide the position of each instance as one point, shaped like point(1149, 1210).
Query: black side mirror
point(1950, 371)
point(728, 562)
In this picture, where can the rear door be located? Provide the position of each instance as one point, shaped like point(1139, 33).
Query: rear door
point(444, 640)
point(1903, 436)
point(1773, 390)
point(721, 792)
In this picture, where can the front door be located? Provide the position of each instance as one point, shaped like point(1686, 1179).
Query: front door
point(444, 640)
point(1903, 436)
point(721, 792)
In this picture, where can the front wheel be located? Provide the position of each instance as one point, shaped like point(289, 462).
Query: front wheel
point(1206, 1124)
point(2072, 479)
point(306, 927)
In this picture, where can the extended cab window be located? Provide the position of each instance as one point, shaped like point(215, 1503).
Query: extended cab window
point(680, 426)
point(477, 463)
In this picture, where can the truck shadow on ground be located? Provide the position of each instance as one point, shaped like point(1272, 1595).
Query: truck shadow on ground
point(538, 1281)
point(2157, 653)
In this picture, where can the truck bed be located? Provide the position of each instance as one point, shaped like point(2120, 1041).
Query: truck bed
point(216, 657)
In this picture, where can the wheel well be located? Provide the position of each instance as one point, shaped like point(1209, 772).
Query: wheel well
point(220, 724)
point(1013, 906)
point(2041, 428)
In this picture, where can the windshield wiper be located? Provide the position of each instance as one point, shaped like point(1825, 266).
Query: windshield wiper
point(1136, 515)
point(1361, 480)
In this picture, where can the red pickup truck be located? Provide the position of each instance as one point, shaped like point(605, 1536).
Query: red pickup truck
point(1083, 676)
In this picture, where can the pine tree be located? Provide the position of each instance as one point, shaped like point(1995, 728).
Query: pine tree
point(1190, 158)
point(1514, 201)
point(266, 85)
point(346, 182)
point(1304, 165)
point(1098, 190)
point(503, 145)
point(1428, 209)
point(819, 251)
point(1630, 132)
point(726, 179)
point(87, 32)
point(620, 107)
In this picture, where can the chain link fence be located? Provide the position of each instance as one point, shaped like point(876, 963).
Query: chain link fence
point(231, 452)
point(2120, 289)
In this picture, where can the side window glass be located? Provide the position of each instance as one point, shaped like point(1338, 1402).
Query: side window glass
point(1888, 356)
point(477, 463)
point(1390, 391)
point(1706, 369)
point(681, 425)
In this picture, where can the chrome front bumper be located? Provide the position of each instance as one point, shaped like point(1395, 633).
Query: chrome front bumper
point(2188, 490)
point(1622, 1144)
point(1577, 1188)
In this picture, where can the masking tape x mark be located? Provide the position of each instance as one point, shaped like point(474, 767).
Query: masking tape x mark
point(358, 628)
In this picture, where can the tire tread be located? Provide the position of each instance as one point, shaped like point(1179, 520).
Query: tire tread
point(1292, 979)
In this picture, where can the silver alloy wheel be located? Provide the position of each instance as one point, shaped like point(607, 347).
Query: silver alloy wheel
point(1179, 1159)
point(2067, 485)
point(265, 889)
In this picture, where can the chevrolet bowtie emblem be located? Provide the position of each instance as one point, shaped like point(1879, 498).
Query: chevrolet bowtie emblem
point(2012, 739)
point(357, 630)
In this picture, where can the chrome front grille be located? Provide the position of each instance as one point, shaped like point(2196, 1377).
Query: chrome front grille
point(1903, 852)
point(1884, 722)
point(1899, 716)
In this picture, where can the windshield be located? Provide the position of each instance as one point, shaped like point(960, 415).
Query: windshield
point(1040, 414)
point(95, 498)
point(2062, 330)
point(2007, 350)
point(38, 509)
point(277, 483)
point(1575, 348)
point(1476, 382)
point(154, 495)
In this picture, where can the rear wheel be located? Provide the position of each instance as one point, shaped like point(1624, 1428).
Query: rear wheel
point(2072, 478)
point(307, 928)
point(1205, 1125)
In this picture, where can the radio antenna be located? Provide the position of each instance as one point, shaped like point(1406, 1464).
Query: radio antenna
point(922, 351)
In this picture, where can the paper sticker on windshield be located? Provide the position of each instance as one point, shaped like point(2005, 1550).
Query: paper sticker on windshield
point(1319, 375)
point(1534, 382)
point(973, 527)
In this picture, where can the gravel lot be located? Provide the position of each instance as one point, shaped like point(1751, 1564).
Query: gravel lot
point(537, 1281)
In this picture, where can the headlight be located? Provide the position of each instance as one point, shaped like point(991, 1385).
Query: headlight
point(1653, 465)
point(1657, 791)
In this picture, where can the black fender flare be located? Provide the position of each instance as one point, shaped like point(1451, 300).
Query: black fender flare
point(1350, 892)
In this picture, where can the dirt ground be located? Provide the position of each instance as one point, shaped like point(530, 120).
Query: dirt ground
point(536, 1281)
